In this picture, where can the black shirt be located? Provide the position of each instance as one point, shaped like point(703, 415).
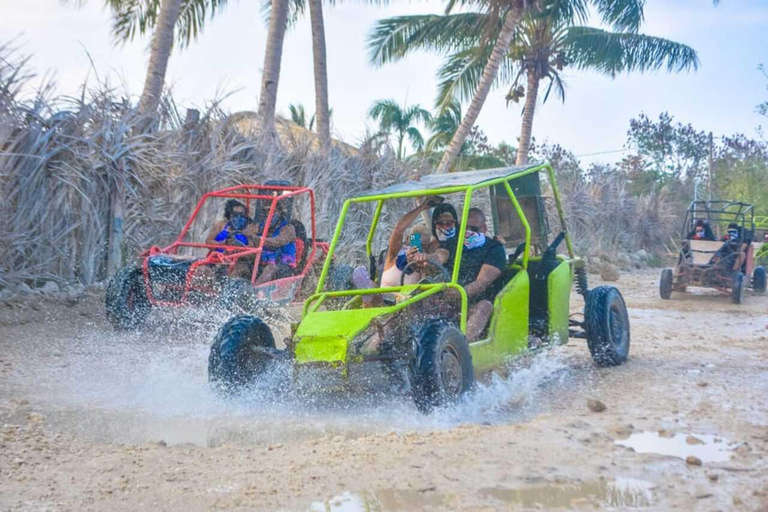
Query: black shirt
point(491, 253)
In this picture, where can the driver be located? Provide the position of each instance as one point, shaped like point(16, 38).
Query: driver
point(232, 230)
point(737, 244)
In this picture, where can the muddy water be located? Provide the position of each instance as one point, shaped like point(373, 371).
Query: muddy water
point(152, 386)
point(619, 493)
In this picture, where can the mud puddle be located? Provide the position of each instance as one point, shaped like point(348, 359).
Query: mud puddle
point(621, 493)
point(707, 448)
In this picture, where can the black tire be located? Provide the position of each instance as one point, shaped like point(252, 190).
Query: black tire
point(235, 359)
point(442, 369)
point(238, 296)
point(607, 326)
point(126, 303)
point(759, 280)
point(737, 288)
point(665, 283)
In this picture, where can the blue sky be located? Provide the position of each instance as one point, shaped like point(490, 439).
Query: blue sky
point(732, 40)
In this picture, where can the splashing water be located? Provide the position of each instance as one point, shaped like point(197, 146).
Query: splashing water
point(152, 385)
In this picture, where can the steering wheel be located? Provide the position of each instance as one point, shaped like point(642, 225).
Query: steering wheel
point(441, 277)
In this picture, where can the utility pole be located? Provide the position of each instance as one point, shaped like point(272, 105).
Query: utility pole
point(711, 175)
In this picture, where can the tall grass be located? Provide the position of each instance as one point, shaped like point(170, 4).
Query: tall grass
point(61, 158)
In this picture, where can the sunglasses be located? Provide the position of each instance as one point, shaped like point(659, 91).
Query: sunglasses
point(445, 223)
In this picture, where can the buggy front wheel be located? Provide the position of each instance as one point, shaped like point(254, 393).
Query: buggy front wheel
point(738, 287)
point(442, 367)
point(242, 350)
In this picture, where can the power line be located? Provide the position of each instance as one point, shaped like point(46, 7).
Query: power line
point(607, 152)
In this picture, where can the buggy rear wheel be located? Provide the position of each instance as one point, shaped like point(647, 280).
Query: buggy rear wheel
point(126, 302)
point(738, 288)
point(759, 280)
point(665, 283)
point(242, 350)
point(442, 369)
point(607, 326)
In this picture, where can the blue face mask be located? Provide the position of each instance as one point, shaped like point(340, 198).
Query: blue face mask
point(238, 222)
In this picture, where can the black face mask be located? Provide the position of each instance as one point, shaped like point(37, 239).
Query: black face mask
point(239, 221)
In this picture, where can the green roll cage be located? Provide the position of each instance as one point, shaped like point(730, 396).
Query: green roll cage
point(314, 301)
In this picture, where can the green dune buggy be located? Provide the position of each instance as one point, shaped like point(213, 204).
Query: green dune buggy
point(417, 332)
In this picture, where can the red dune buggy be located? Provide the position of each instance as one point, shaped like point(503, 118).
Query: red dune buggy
point(193, 273)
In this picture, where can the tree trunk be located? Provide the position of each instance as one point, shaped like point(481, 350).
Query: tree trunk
point(322, 109)
point(162, 44)
point(526, 131)
point(278, 22)
point(489, 76)
point(116, 215)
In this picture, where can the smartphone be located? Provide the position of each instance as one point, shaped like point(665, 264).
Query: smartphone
point(415, 241)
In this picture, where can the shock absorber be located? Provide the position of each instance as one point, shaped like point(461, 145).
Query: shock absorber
point(582, 287)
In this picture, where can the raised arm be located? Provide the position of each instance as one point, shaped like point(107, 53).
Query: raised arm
point(396, 238)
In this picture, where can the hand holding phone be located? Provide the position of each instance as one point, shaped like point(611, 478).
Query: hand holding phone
point(415, 241)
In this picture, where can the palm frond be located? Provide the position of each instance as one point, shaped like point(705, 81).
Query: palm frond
point(611, 53)
point(394, 38)
point(138, 17)
point(461, 73)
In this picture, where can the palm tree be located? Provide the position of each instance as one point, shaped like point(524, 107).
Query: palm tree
point(496, 23)
point(400, 120)
point(320, 65)
point(184, 17)
point(444, 126)
point(542, 45)
point(278, 23)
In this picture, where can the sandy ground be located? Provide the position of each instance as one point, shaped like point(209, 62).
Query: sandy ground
point(92, 420)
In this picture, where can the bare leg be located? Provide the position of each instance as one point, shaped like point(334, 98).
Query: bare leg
point(362, 281)
point(268, 273)
point(478, 318)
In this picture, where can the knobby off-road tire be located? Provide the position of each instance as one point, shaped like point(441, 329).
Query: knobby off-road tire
point(738, 288)
point(442, 367)
point(238, 296)
point(759, 280)
point(665, 283)
point(607, 326)
point(126, 303)
point(235, 359)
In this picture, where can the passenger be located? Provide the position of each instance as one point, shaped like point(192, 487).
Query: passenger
point(482, 262)
point(278, 257)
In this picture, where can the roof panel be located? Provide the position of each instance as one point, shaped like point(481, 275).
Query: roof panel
point(455, 179)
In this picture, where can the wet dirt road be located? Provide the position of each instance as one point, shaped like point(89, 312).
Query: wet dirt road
point(93, 420)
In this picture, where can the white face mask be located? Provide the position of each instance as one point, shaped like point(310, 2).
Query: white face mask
point(446, 234)
point(473, 239)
